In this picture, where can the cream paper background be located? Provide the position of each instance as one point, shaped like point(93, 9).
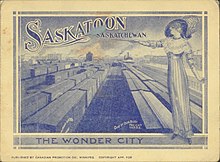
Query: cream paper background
point(7, 8)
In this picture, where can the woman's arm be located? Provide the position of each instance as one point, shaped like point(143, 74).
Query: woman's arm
point(191, 63)
point(150, 43)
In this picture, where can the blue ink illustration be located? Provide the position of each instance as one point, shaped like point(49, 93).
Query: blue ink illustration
point(119, 74)
point(176, 45)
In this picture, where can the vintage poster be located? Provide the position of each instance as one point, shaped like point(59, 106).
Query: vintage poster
point(109, 81)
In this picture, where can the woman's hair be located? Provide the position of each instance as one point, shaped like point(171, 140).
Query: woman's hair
point(177, 24)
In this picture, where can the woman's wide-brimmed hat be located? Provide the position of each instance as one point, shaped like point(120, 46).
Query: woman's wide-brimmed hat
point(193, 23)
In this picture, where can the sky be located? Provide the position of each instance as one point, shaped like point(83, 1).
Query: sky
point(153, 26)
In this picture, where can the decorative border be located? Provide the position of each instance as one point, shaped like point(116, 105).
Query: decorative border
point(18, 136)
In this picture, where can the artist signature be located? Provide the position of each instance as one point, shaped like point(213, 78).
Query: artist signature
point(132, 124)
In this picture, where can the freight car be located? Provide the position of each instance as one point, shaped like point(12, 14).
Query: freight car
point(62, 115)
point(33, 103)
point(78, 77)
point(56, 77)
point(52, 69)
point(37, 71)
point(29, 83)
point(25, 72)
point(58, 89)
point(90, 88)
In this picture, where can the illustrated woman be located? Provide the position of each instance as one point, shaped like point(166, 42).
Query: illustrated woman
point(176, 46)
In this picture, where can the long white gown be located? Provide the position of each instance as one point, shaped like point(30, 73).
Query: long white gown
point(178, 83)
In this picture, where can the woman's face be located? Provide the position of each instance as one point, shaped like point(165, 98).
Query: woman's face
point(174, 32)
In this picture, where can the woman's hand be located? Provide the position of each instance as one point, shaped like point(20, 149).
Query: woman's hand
point(202, 80)
point(195, 72)
point(134, 41)
point(145, 43)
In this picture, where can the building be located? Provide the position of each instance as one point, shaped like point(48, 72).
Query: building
point(54, 56)
point(89, 56)
point(128, 58)
point(38, 59)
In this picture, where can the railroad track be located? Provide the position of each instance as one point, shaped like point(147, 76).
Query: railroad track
point(160, 99)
